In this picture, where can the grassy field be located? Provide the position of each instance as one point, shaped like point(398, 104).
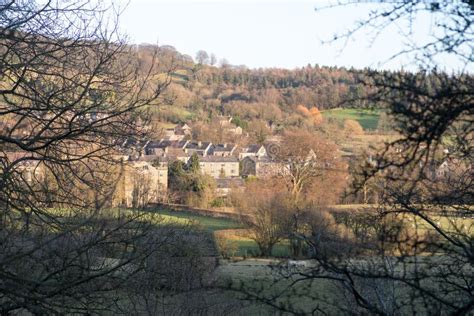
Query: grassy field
point(361, 143)
point(293, 286)
point(179, 76)
point(243, 246)
point(205, 222)
point(266, 279)
point(165, 125)
point(234, 236)
point(176, 113)
point(368, 119)
point(237, 243)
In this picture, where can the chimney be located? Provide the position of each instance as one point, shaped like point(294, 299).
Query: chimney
point(199, 143)
point(225, 145)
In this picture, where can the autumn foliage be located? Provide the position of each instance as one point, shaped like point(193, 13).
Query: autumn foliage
point(353, 128)
point(313, 114)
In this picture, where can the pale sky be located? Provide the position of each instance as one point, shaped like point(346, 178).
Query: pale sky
point(264, 33)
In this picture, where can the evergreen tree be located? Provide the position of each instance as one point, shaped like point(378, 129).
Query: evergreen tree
point(193, 166)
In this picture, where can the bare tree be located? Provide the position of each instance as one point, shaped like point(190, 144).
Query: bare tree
point(202, 57)
point(307, 158)
point(312, 172)
point(261, 207)
point(212, 59)
point(173, 277)
point(413, 253)
point(450, 29)
point(71, 92)
point(424, 264)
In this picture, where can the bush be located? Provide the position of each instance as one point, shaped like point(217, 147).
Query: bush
point(227, 248)
point(353, 128)
point(375, 231)
point(218, 202)
point(328, 238)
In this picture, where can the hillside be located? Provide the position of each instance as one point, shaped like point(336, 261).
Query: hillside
point(199, 92)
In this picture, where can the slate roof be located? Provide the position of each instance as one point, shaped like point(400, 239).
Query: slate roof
point(132, 142)
point(223, 147)
point(254, 148)
point(197, 145)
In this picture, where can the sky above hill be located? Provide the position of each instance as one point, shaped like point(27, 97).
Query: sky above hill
point(264, 33)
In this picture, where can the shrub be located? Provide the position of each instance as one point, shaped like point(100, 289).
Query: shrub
point(353, 128)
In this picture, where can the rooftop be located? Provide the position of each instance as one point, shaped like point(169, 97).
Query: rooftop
point(254, 148)
point(223, 147)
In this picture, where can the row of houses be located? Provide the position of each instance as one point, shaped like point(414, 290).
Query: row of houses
point(145, 178)
point(183, 149)
point(217, 160)
point(227, 163)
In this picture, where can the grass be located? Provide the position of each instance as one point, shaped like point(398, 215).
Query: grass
point(240, 245)
point(175, 112)
point(266, 279)
point(235, 236)
point(234, 233)
point(261, 277)
point(208, 223)
point(180, 76)
point(245, 247)
point(361, 143)
point(165, 125)
point(304, 288)
point(368, 119)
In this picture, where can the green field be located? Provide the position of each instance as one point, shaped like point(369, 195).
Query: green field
point(175, 113)
point(235, 236)
point(368, 119)
point(245, 247)
point(208, 223)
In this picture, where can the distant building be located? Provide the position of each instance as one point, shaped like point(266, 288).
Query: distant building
point(201, 148)
point(184, 130)
point(219, 167)
point(171, 135)
point(253, 151)
point(133, 147)
point(452, 168)
point(143, 181)
point(225, 122)
point(163, 146)
point(223, 150)
point(237, 130)
point(262, 167)
point(226, 185)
